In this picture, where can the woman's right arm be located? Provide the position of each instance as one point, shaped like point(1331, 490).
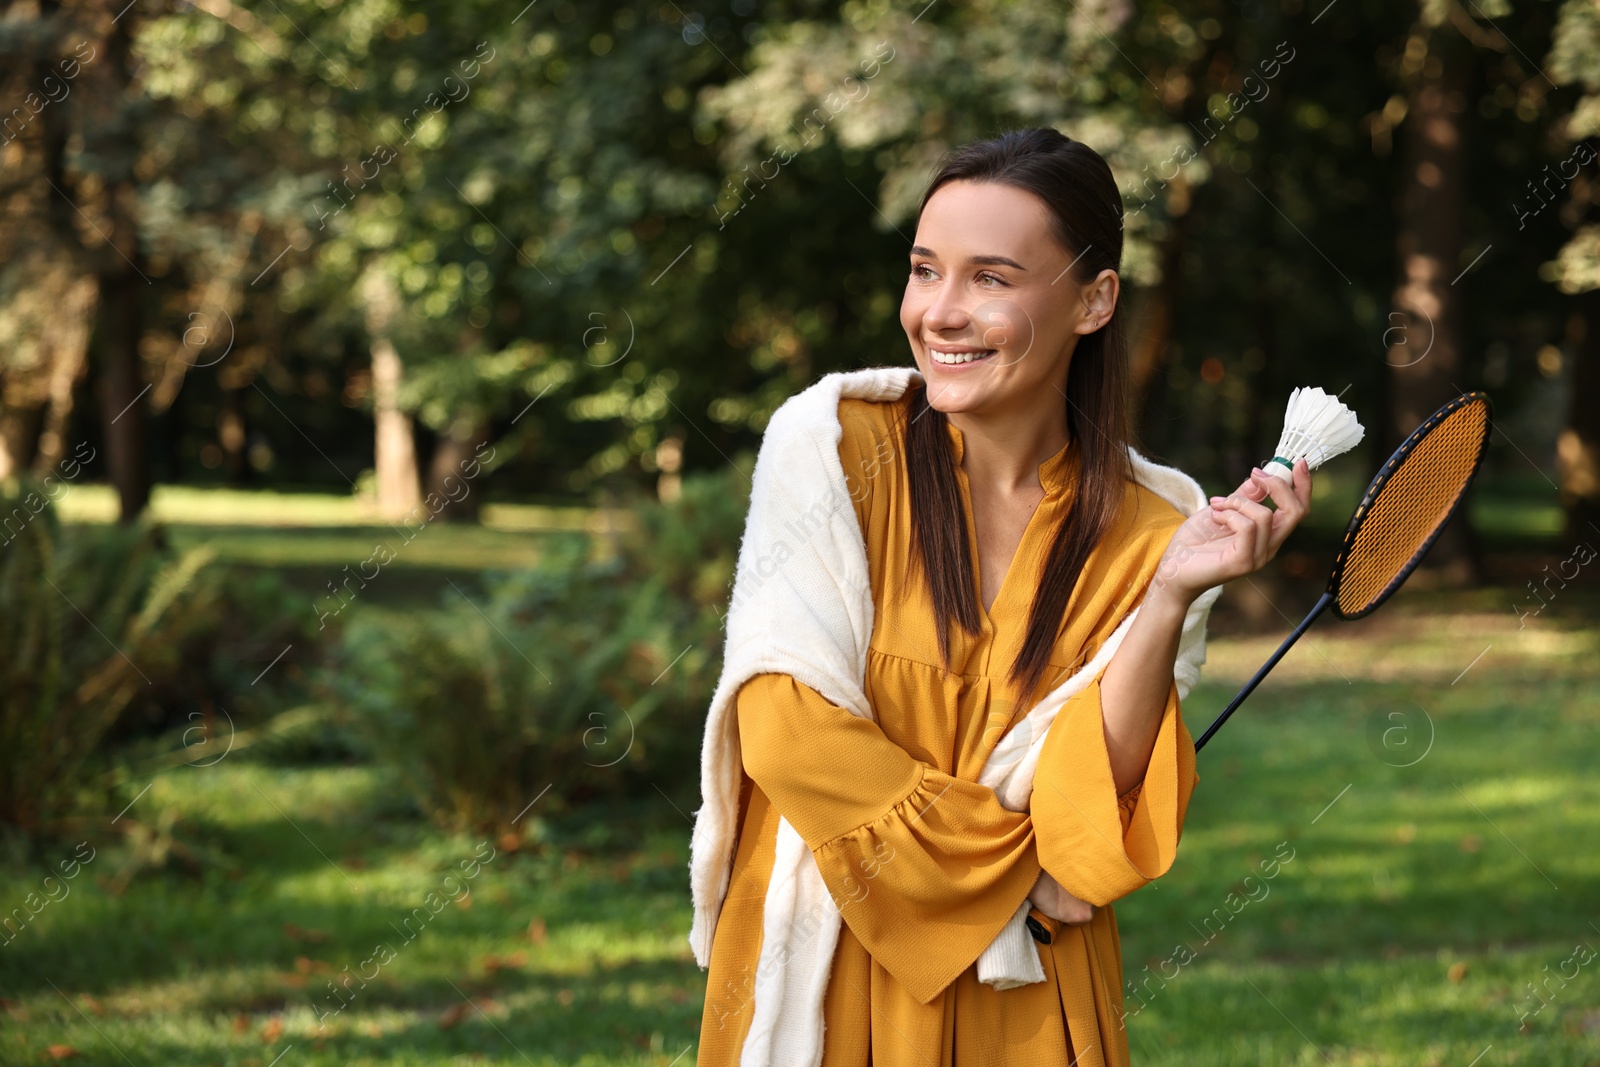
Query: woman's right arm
point(926, 868)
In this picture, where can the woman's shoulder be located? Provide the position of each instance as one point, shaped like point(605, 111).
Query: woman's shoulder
point(869, 432)
point(1149, 510)
point(869, 454)
point(864, 415)
point(1146, 523)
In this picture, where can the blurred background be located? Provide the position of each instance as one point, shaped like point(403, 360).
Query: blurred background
point(380, 384)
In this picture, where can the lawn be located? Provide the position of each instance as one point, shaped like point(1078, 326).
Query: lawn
point(1422, 778)
point(1439, 829)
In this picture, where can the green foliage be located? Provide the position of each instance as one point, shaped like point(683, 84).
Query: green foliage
point(585, 677)
point(88, 620)
point(233, 660)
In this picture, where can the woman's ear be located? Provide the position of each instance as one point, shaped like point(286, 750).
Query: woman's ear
point(1099, 300)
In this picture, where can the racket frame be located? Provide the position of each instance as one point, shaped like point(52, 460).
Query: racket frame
point(1382, 478)
point(1330, 596)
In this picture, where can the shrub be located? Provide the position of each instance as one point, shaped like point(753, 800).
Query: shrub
point(89, 620)
point(589, 677)
point(245, 660)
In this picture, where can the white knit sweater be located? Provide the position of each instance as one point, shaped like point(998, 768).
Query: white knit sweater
point(802, 606)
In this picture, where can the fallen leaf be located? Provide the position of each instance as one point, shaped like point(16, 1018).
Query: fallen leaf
point(508, 962)
point(536, 931)
point(62, 1052)
point(565, 997)
point(1457, 971)
point(1471, 843)
point(241, 1023)
point(453, 1014)
point(273, 1030)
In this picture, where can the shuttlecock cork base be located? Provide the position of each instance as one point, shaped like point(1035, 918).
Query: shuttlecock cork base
point(1316, 427)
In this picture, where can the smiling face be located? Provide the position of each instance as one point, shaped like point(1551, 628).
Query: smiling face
point(991, 308)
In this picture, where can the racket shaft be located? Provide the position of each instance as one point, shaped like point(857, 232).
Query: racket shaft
point(1327, 598)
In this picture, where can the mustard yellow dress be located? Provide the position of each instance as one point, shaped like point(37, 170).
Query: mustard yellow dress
point(925, 863)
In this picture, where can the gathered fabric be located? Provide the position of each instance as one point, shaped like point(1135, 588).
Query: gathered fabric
point(801, 605)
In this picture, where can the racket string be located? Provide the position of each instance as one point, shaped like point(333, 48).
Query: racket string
point(1421, 491)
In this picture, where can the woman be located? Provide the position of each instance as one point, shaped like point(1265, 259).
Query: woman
point(1015, 456)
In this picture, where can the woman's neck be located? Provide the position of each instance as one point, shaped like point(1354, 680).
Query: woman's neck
point(1005, 455)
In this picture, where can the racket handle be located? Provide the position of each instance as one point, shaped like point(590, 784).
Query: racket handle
point(1327, 598)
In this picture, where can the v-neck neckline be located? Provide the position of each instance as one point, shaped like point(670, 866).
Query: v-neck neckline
point(986, 614)
point(1054, 474)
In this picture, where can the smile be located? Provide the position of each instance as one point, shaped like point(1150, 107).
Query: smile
point(951, 358)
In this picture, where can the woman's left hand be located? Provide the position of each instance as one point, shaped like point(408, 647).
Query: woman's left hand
point(1235, 536)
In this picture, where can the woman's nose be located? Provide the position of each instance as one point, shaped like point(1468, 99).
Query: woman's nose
point(946, 312)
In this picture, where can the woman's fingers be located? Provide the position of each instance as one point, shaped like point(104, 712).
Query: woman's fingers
point(1293, 501)
point(1258, 514)
point(1249, 531)
point(1249, 490)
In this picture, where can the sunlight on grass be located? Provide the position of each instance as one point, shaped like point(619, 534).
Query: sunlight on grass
point(1406, 928)
point(263, 528)
point(191, 505)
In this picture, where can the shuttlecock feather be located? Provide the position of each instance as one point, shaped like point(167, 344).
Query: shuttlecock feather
point(1316, 427)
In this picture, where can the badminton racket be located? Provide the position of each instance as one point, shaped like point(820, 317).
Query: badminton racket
point(1409, 501)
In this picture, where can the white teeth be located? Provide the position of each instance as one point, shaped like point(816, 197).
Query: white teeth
point(958, 357)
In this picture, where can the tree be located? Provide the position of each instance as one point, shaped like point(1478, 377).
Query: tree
point(1575, 59)
point(1425, 347)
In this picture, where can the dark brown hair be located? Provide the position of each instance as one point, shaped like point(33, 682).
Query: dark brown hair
point(1075, 183)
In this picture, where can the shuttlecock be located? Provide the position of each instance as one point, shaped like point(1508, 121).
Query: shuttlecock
point(1316, 427)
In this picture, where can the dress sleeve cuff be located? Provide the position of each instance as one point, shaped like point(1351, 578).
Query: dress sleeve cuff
point(928, 886)
point(1101, 846)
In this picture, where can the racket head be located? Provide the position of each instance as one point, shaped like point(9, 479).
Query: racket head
point(1408, 503)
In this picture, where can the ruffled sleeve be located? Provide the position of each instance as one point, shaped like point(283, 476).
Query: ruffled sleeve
point(1101, 846)
point(926, 868)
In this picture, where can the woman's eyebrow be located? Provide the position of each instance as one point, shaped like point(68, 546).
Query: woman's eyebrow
point(987, 261)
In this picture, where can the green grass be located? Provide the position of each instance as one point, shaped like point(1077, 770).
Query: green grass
point(310, 870)
point(1435, 871)
point(1442, 860)
point(263, 528)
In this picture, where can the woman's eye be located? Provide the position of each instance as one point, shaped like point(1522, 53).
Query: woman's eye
point(917, 271)
point(991, 278)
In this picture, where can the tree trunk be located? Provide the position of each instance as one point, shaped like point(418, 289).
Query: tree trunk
point(18, 427)
point(69, 353)
point(121, 394)
point(394, 449)
point(1578, 447)
point(448, 474)
point(113, 243)
point(1424, 338)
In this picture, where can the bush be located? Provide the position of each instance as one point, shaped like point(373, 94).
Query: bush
point(587, 677)
point(244, 661)
point(89, 621)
